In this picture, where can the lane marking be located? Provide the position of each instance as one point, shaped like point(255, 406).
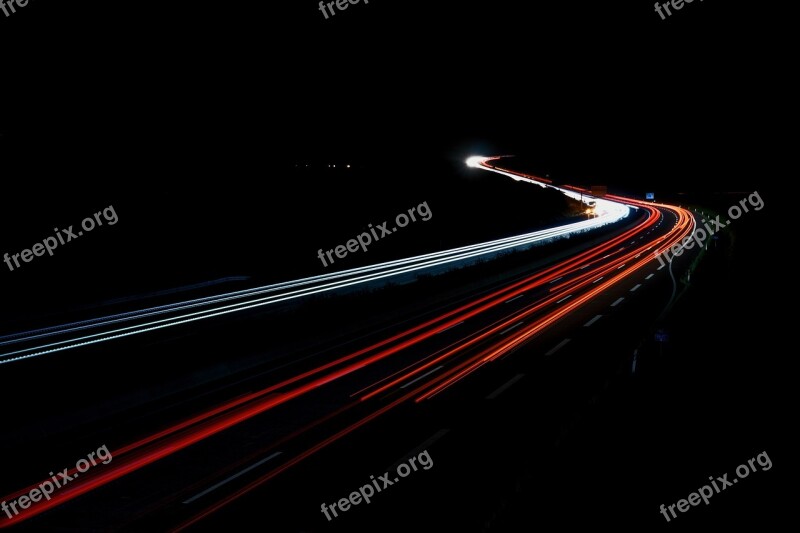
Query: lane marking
point(557, 347)
point(423, 376)
point(503, 388)
point(636, 287)
point(451, 327)
point(592, 321)
point(518, 324)
point(231, 478)
point(617, 302)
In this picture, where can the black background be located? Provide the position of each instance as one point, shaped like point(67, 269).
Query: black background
point(190, 118)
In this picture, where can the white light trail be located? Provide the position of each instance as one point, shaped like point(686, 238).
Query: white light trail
point(237, 301)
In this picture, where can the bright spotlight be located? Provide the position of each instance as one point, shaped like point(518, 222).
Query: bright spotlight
point(475, 161)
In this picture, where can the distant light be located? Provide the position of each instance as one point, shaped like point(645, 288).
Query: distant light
point(475, 161)
point(348, 166)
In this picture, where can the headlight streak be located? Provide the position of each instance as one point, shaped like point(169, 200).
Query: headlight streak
point(319, 284)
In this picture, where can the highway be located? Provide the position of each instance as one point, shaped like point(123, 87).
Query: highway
point(211, 451)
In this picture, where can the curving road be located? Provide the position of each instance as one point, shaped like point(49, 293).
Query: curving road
point(323, 399)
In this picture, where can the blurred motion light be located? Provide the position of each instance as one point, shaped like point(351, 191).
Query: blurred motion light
point(475, 161)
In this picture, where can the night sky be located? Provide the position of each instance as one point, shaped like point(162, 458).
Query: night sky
point(601, 88)
point(192, 118)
